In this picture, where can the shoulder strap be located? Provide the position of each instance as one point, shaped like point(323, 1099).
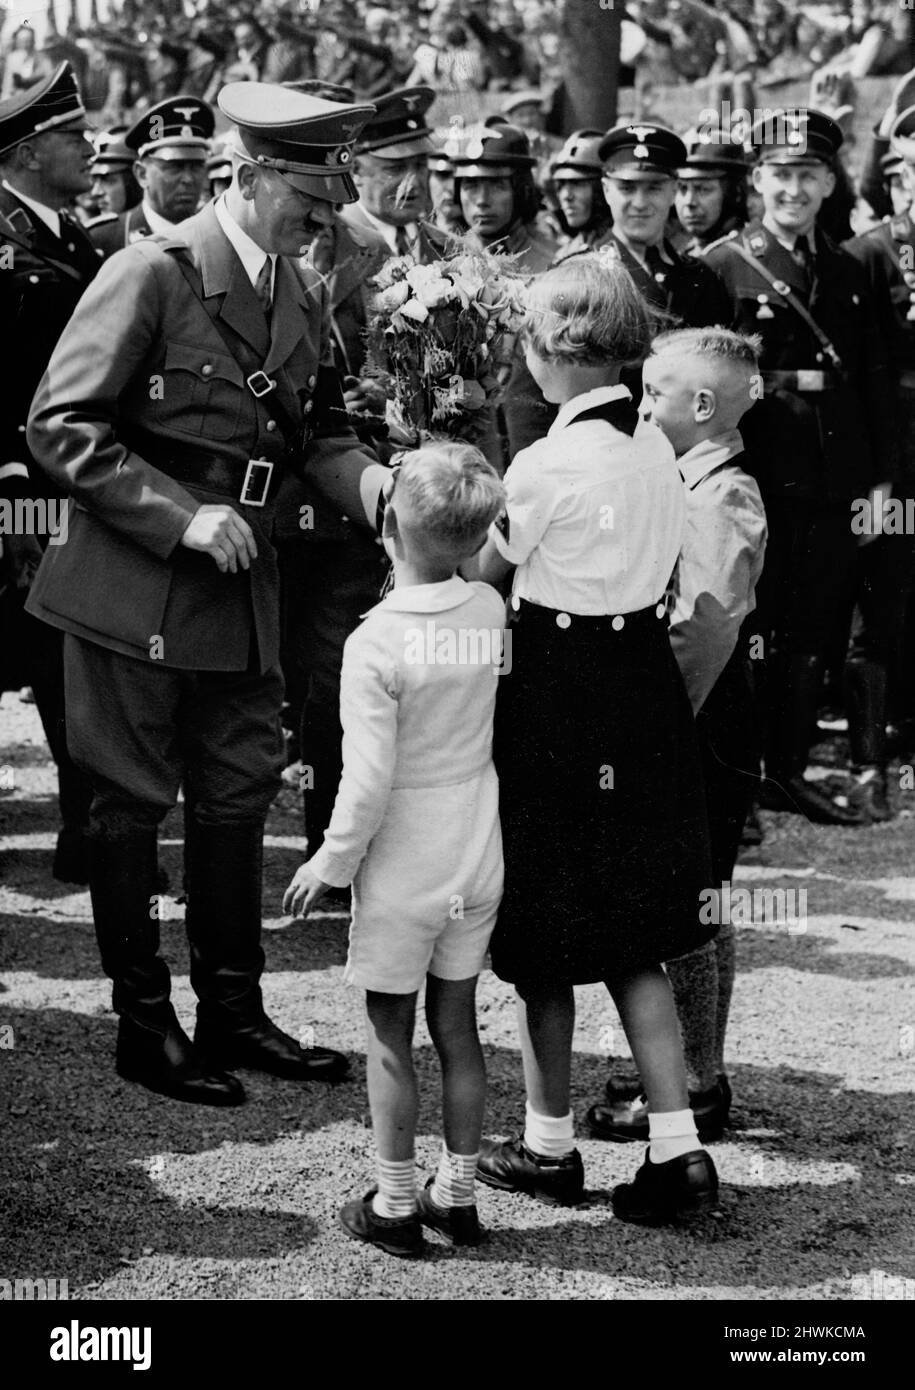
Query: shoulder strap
point(792, 300)
point(250, 366)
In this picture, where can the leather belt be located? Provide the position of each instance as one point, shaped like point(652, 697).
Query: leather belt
point(253, 484)
point(813, 379)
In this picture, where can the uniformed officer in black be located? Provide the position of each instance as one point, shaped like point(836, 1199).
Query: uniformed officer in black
point(822, 436)
point(711, 196)
point(208, 408)
point(885, 561)
point(44, 164)
point(170, 144)
point(640, 166)
point(575, 177)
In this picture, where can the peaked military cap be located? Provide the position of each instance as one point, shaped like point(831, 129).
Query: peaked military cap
point(579, 157)
point(492, 153)
point(177, 128)
point(902, 134)
point(52, 104)
point(642, 150)
point(398, 129)
point(711, 153)
point(801, 136)
point(309, 141)
point(112, 154)
point(327, 91)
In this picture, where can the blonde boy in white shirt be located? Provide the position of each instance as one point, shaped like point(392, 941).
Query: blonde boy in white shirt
point(415, 829)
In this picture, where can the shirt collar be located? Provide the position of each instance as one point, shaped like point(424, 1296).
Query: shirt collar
point(789, 243)
point(158, 225)
point(703, 458)
point(388, 231)
point(587, 401)
point(427, 598)
point(249, 253)
point(49, 216)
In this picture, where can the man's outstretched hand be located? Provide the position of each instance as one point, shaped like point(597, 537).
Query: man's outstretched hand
point(304, 892)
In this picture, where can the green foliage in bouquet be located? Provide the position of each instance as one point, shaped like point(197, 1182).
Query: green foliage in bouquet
point(441, 336)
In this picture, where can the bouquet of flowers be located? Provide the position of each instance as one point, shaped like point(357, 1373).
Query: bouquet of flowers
point(441, 337)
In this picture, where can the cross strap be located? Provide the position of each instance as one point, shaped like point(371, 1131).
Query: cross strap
point(792, 300)
point(294, 432)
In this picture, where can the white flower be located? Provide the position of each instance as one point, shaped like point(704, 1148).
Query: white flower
point(429, 286)
point(393, 296)
point(415, 311)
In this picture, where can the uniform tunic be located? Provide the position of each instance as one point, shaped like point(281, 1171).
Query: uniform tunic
point(143, 415)
point(816, 441)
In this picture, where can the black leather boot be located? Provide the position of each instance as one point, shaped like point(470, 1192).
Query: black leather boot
point(223, 874)
point(865, 699)
point(152, 1049)
point(794, 691)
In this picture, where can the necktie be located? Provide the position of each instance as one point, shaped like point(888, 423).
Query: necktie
point(656, 264)
point(803, 257)
point(262, 288)
point(402, 242)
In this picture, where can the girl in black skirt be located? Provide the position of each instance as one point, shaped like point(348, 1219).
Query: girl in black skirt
point(601, 801)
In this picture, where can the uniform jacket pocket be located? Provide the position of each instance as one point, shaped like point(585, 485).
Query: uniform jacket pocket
point(204, 390)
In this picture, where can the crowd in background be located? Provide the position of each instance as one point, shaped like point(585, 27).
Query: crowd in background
point(150, 51)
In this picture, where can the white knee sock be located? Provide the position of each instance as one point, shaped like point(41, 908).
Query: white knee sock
point(453, 1186)
point(396, 1195)
point(547, 1136)
point(671, 1134)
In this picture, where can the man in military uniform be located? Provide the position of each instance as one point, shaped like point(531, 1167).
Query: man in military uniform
point(344, 567)
point(114, 187)
point(711, 197)
point(822, 436)
point(170, 143)
point(640, 169)
point(575, 174)
point(885, 577)
point(499, 200)
point(201, 365)
point(44, 165)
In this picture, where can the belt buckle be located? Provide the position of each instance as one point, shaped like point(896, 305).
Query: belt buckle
point(811, 380)
point(264, 384)
point(260, 480)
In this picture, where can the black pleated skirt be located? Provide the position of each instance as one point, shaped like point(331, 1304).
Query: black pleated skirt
point(603, 811)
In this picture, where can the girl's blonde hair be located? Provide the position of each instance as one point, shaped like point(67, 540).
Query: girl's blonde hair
point(588, 311)
point(454, 491)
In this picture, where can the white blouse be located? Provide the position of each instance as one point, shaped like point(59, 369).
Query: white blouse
point(595, 518)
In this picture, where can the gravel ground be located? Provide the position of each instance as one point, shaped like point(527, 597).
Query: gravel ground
point(128, 1195)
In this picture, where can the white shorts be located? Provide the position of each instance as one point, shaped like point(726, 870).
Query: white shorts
point(426, 895)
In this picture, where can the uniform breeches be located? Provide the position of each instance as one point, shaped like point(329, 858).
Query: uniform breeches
point(141, 730)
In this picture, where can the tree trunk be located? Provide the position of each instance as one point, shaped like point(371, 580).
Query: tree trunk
point(590, 56)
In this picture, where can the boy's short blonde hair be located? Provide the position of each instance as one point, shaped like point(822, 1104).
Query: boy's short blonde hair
point(738, 349)
point(587, 311)
point(455, 494)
